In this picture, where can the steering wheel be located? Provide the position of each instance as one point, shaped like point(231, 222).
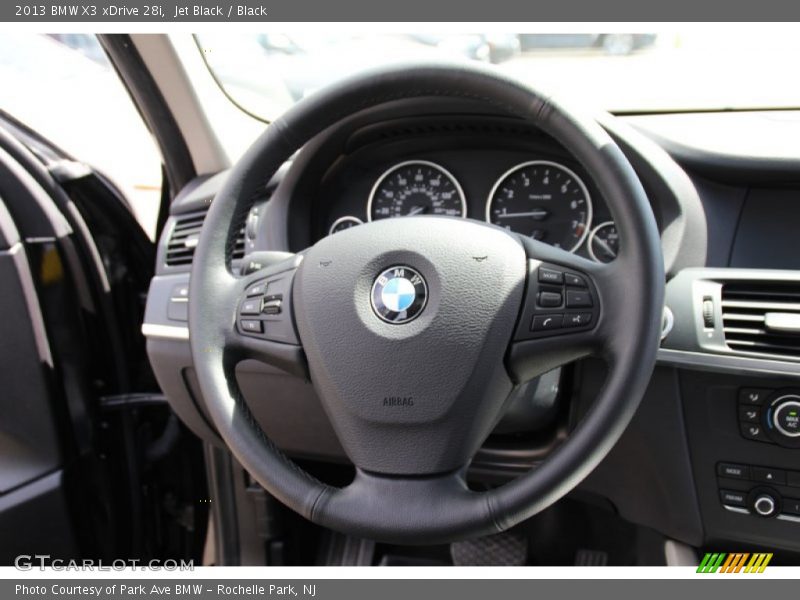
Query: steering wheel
point(415, 331)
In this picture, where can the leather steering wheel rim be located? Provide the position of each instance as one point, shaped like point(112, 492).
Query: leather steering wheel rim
point(434, 507)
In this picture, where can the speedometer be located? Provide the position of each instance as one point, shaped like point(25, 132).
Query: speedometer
point(416, 187)
point(544, 200)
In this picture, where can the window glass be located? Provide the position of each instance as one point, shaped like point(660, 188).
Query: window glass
point(714, 69)
point(63, 87)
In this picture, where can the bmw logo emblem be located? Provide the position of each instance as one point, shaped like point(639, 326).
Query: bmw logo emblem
point(399, 294)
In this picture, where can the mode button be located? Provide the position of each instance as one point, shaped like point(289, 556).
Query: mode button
point(550, 276)
point(733, 471)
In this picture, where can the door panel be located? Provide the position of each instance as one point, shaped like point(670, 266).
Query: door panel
point(33, 501)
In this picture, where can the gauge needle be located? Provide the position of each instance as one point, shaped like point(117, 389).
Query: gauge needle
point(416, 210)
point(536, 214)
point(605, 246)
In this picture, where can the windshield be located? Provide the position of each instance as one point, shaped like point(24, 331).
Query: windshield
point(622, 72)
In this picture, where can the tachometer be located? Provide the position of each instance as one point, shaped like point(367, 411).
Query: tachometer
point(416, 187)
point(543, 200)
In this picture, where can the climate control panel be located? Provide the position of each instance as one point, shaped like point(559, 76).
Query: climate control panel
point(769, 415)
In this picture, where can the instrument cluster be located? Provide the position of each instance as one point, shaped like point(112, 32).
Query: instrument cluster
point(544, 199)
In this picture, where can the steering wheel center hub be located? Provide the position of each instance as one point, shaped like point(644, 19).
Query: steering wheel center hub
point(407, 355)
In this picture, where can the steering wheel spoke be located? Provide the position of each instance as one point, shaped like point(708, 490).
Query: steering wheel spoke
point(563, 317)
point(403, 505)
point(263, 327)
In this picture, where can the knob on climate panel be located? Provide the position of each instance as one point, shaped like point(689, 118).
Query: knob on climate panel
point(786, 416)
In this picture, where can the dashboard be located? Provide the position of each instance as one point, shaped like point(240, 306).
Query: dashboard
point(696, 461)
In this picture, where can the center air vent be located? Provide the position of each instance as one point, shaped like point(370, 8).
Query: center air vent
point(184, 237)
point(762, 317)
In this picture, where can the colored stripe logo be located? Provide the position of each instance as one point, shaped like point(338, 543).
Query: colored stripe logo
point(737, 562)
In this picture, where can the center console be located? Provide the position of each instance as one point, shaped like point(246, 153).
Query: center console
point(736, 342)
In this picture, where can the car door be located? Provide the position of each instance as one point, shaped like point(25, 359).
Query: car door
point(93, 463)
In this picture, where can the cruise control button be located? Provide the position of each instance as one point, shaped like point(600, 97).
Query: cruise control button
point(767, 475)
point(251, 325)
point(577, 319)
point(578, 299)
point(733, 498)
point(550, 299)
point(251, 307)
point(574, 280)
point(749, 414)
point(753, 431)
point(257, 289)
point(550, 276)
point(545, 322)
point(733, 471)
point(753, 395)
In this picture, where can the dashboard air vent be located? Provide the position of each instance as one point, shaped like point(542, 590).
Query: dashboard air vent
point(184, 237)
point(238, 246)
point(762, 317)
